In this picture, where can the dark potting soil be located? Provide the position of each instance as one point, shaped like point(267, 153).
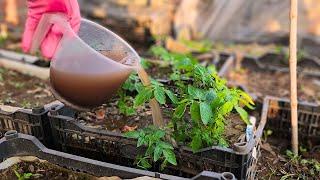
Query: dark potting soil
point(274, 164)
point(109, 118)
point(264, 83)
point(21, 90)
point(305, 64)
point(43, 170)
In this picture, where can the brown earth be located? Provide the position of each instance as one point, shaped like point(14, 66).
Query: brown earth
point(275, 164)
point(21, 90)
point(264, 83)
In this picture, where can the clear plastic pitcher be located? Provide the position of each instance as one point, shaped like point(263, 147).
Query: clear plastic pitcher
point(89, 67)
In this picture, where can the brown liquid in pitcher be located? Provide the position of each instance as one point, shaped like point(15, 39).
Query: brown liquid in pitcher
point(92, 90)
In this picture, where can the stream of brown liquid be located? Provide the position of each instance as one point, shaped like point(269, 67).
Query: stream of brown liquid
point(154, 105)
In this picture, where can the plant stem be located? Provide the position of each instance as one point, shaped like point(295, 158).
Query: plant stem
point(293, 74)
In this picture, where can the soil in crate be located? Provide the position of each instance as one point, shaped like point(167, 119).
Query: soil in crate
point(263, 83)
point(277, 164)
point(21, 90)
point(109, 118)
point(43, 170)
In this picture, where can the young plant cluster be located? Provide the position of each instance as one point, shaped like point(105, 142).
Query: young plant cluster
point(201, 101)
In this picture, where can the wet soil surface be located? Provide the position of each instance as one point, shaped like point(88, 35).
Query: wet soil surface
point(21, 90)
point(263, 83)
point(274, 163)
point(109, 118)
point(44, 170)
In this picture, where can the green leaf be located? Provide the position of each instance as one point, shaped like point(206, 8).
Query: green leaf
point(141, 141)
point(170, 156)
point(143, 163)
point(27, 175)
point(157, 153)
point(196, 93)
point(206, 113)
point(243, 114)
point(143, 96)
point(196, 143)
point(195, 111)
point(165, 145)
point(210, 95)
point(132, 134)
point(130, 111)
point(172, 96)
point(159, 134)
point(145, 63)
point(179, 112)
point(226, 108)
point(159, 94)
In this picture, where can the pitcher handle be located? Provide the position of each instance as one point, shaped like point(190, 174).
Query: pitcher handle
point(46, 22)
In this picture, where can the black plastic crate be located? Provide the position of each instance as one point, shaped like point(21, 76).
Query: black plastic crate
point(28, 121)
point(72, 137)
point(16, 144)
point(277, 112)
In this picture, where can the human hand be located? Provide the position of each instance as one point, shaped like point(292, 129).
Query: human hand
point(36, 8)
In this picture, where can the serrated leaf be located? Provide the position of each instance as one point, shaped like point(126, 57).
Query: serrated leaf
point(180, 110)
point(132, 134)
point(247, 97)
point(226, 108)
point(165, 145)
point(243, 114)
point(159, 134)
point(170, 156)
point(206, 113)
point(143, 96)
point(196, 93)
point(157, 153)
point(210, 95)
point(195, 111)
point(130, 111)
point(172, 96)
point(159, 94)
point(143, 163)
point(196, 143)
point(141, 141)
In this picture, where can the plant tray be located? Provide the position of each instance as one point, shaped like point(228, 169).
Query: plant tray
point(28, 121)
point(72, 137)
point(11, 145)
point(277, 112)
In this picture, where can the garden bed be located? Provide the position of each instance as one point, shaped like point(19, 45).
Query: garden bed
point(73, 137)
point(187, 95)
point(278, 162)
point(23, 90)
point(268, 76)
point(69, 165)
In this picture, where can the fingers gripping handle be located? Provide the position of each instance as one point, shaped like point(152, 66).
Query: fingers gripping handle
point(45, 24)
